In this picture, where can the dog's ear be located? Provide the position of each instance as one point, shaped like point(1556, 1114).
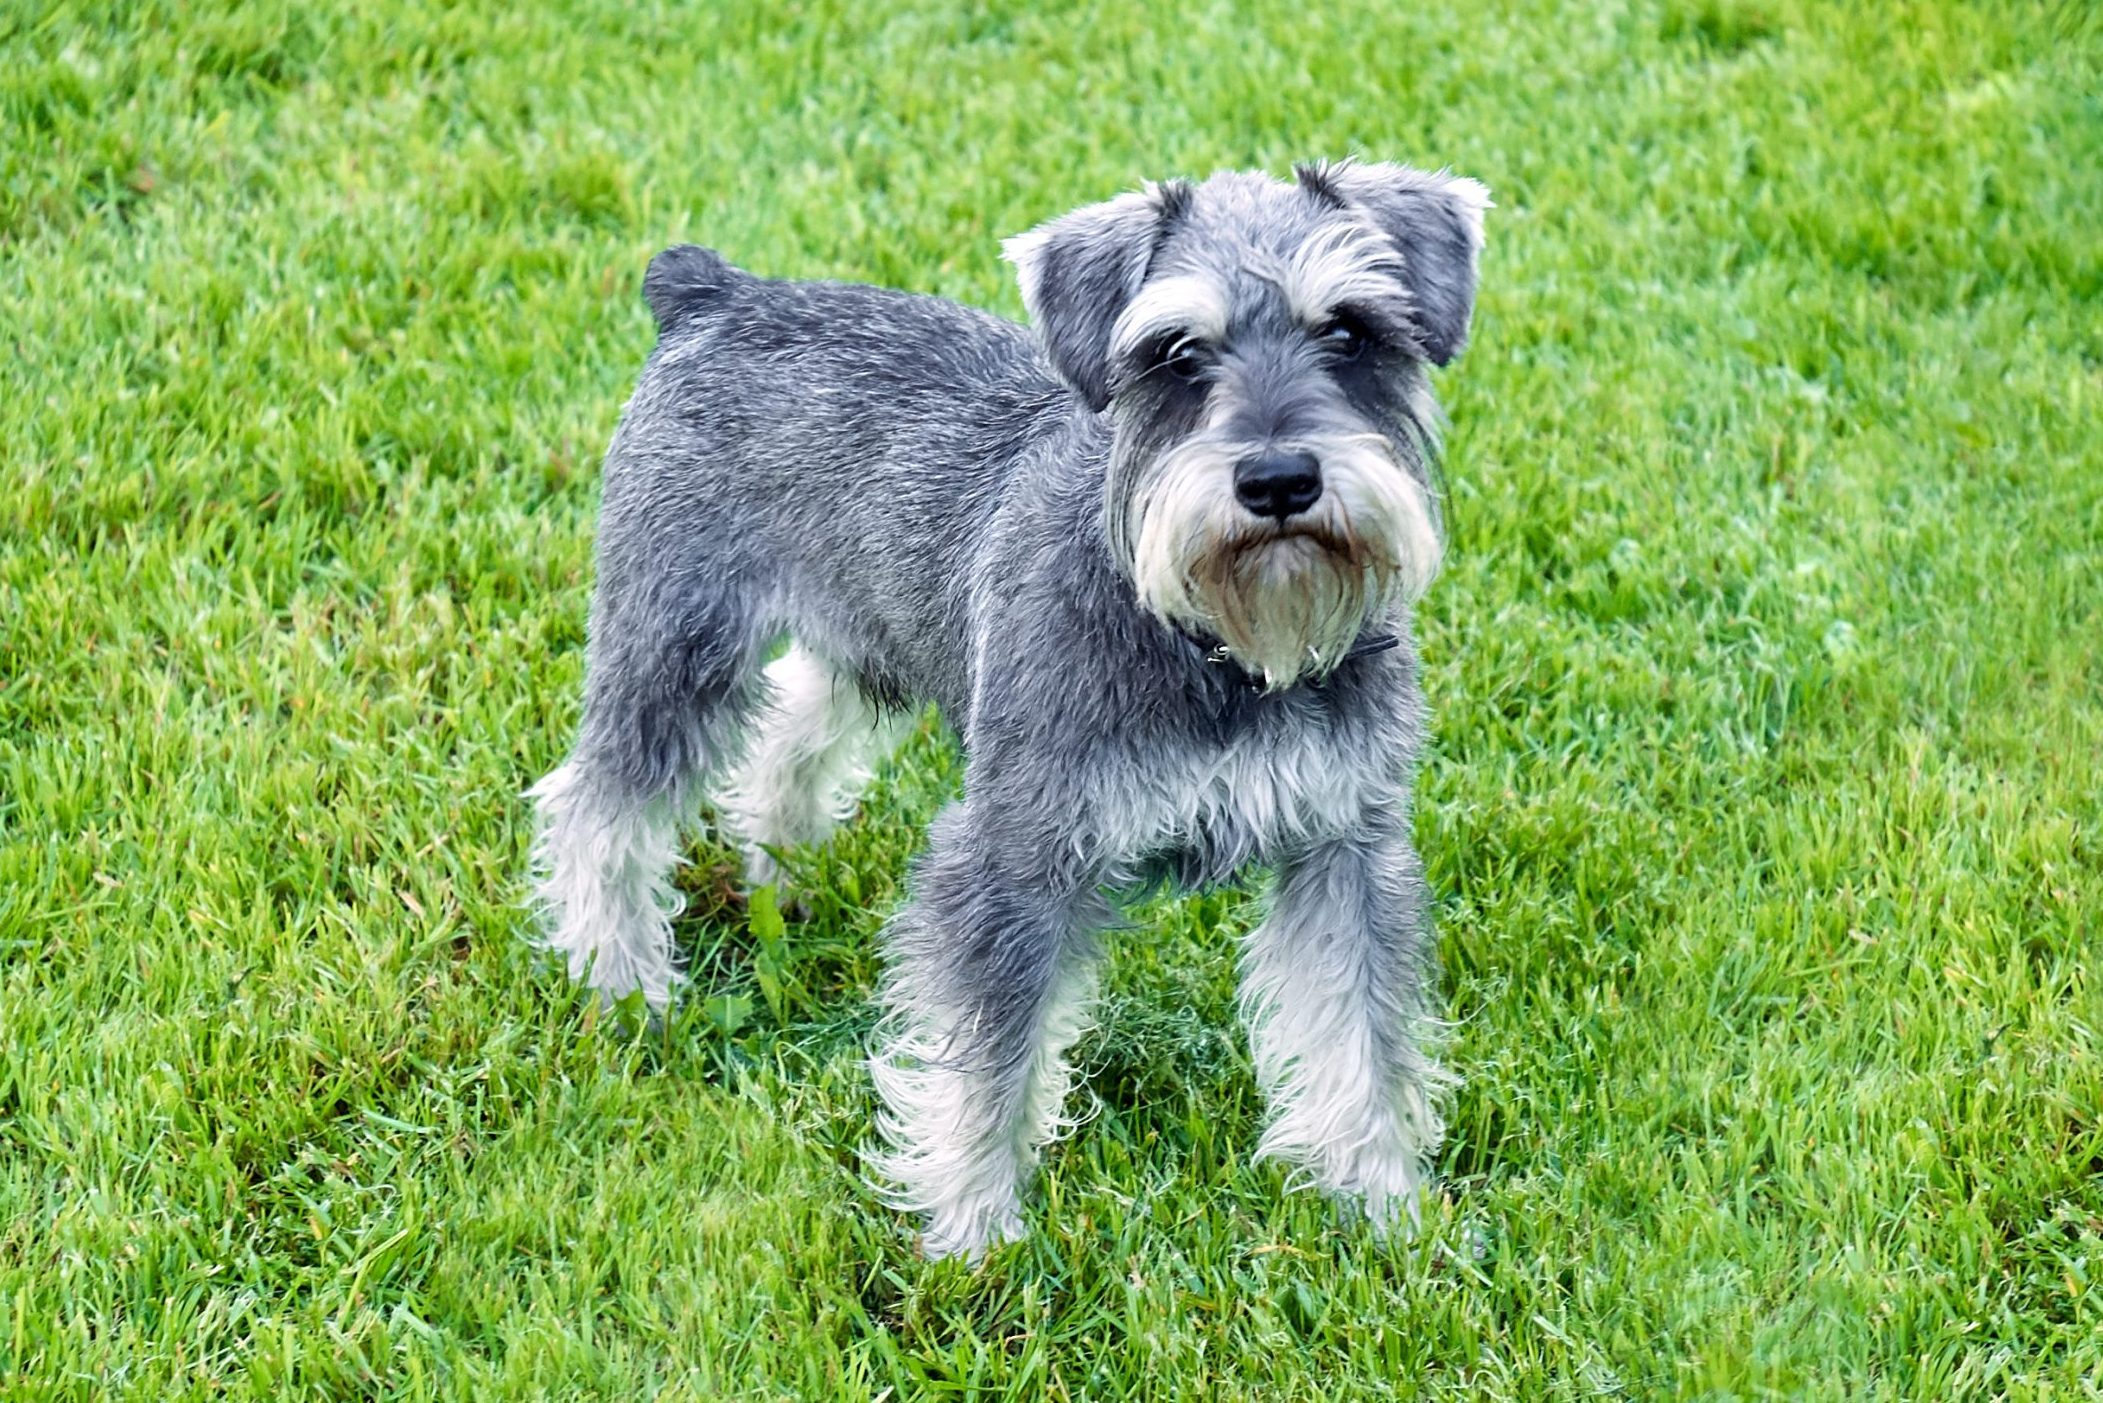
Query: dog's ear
point(1080, 271)
point(1436, 222)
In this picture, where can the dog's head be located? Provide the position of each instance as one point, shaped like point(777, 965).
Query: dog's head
point(1260, 346)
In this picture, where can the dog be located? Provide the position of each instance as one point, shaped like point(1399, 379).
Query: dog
point(1153, 565)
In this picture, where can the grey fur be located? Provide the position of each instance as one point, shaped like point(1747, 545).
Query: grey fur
point(939, 508)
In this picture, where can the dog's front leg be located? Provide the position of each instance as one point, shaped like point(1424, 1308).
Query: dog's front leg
point(1336, 989)
point(991, 969)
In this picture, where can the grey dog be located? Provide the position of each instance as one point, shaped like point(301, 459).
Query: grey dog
point(1154, 565)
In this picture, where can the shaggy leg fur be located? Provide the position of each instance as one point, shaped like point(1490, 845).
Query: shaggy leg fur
point(810, 755)
point(602, 870)
point(991, 976)
point(1335, 984)
point(665, 694)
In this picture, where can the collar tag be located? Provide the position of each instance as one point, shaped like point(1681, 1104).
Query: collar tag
point(1218, 655)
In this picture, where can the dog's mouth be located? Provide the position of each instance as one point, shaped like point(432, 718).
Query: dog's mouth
point(1289, 600)
point(1282, 549)
point(1300, 534)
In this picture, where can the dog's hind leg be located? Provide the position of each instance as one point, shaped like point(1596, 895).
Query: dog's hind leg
point(813, 744)
point(669, 682)
point(992, 968)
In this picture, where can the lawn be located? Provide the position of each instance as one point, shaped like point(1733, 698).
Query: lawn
point(1764, 807)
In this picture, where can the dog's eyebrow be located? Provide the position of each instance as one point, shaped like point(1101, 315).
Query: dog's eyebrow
point(1188, 304)
point(1348, 264)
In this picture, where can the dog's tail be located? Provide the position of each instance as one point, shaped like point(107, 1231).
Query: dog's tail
point(687, 281)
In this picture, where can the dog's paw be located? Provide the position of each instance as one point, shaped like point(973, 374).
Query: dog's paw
point(970, 1238)
point(1390, 1200)
point(1396, 1217)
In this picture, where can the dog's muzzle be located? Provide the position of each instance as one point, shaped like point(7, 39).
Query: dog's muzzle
point(1286, 554)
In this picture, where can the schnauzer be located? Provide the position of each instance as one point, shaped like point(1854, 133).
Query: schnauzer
point(1153, 565)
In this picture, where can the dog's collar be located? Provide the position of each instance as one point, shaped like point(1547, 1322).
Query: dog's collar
point(1214, 653)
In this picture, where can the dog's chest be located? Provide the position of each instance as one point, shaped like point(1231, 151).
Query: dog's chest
point(1215, 808)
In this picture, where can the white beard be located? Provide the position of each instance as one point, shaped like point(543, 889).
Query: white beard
point(1288, 599)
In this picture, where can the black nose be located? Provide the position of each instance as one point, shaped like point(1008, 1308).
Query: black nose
point(1278, 484)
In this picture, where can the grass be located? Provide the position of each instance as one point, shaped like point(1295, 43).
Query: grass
point(1765, 805)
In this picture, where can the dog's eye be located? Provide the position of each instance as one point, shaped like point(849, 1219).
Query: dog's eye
point(1183, 358)
point(1343, 338)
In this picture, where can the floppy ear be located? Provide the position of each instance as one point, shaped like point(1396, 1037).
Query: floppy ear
point(1079, 272)
point(1436, 222)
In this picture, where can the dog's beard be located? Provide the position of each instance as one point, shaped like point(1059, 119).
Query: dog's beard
point(1288, 599)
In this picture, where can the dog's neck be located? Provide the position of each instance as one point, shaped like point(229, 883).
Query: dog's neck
point(1213, 653)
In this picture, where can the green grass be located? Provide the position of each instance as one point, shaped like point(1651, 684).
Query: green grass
point(1765, 805)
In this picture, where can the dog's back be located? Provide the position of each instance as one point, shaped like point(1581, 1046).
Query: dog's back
point(886, 342)
point(825, 449)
